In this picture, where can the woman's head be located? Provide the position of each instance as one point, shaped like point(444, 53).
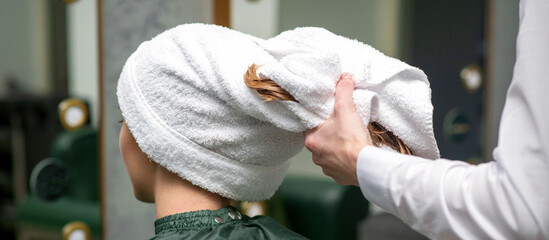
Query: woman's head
point(183, 97)
point(188, 115)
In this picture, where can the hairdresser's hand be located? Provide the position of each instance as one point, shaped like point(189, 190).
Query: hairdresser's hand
point(336, 143)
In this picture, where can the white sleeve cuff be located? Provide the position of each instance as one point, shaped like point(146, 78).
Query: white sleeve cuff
point(373, 167)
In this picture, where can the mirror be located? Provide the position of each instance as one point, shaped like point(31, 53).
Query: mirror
point(32, 82)
point(48, 54)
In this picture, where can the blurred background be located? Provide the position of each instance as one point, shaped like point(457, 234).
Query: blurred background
point(61, 172)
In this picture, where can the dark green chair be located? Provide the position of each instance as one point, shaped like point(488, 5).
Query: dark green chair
point(64, 188)
point(322, 209)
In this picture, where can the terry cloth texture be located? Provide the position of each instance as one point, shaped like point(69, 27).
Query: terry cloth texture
point(183, 98)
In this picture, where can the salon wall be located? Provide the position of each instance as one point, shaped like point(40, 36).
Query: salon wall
point(124, 25)
point(375, 22)
point(258, 18)
point(501, 43)
point(82, 54)
point(24, 28)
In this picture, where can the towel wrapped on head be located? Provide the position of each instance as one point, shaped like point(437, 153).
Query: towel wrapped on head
point(184, 100)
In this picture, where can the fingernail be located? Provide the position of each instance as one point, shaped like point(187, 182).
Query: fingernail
point(346, 75)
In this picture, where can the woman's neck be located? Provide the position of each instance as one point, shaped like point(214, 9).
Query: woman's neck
point(176, 195)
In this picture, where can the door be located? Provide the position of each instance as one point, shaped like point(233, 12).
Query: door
point(447, 43)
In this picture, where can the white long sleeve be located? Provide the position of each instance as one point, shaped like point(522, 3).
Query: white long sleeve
point(504, 199)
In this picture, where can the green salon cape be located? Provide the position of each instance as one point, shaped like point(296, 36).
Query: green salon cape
point(225, 223)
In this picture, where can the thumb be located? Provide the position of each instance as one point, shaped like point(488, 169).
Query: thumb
point(344, 94)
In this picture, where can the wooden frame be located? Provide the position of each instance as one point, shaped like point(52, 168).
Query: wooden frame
point(222, 12)
point(102, 198)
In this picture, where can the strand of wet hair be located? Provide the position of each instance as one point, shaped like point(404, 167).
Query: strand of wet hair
point(269, 90)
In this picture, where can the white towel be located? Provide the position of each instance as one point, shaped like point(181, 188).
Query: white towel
point(183, 98)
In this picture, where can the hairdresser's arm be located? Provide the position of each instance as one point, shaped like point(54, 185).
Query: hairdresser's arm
point(504, 199)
